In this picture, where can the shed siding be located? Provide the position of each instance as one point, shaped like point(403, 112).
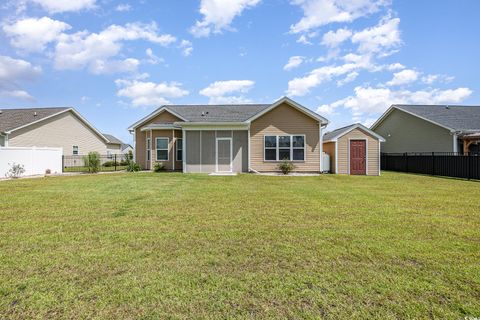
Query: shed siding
point(62, 131)
point(372, 152)
point(406, 133)
point(285, 120)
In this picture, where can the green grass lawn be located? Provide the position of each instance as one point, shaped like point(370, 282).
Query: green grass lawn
point(166, 245)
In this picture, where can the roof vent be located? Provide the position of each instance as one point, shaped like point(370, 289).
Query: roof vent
point(1, 111)
point(204, 113)
point(447, 107)
point(35, 113)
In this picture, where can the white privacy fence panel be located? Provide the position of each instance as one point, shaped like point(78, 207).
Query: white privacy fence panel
point(35, 160)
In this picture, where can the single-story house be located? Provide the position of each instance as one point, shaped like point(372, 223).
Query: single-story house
point(353, 149)
point(53, 127)
point(230, 138)
point(430, 128)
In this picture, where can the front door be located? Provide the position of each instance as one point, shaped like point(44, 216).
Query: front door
point(358, 154)
point(224, 155)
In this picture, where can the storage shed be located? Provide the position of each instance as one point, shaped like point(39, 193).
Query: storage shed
point(353, 149)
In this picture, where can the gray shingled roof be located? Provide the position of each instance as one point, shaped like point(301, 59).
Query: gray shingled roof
point(458, 118)
point(331, 134)
point(14, 118)
point(112, 139)
point(218, 113)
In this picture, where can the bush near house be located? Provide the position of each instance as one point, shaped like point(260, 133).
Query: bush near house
point(92, 162)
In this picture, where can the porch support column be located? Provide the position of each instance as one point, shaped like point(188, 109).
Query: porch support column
point(184, 152)
point(173, 149)
point(152, 143)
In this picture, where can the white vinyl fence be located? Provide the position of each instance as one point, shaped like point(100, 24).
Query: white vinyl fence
point(35, 160)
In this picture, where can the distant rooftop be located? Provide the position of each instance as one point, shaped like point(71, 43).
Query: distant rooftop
point(458, 118)
point(14, 118)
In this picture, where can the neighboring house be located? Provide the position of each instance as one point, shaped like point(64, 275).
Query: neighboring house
point(430, 128)
point(114, 146)
point(52, 127)
point(126, 148)
point(353, 149)
point(230, 138)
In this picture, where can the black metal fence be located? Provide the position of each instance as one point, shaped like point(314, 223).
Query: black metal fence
point(112, 162)
point(434, 163)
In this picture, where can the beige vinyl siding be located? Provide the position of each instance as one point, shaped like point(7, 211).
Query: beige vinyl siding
point(329, 148)
point(372, 151)
point(141, 144)
point(62, 131)
point(285, 120)
point(167, 133)
point(114, 148)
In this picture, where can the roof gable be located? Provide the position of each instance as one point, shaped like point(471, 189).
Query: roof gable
point(453, 118)
point(11, 119)
point(337, 133)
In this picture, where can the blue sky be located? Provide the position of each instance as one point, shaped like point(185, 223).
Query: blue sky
point(115, 61)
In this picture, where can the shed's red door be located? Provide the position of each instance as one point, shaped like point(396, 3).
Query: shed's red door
point(358, 152)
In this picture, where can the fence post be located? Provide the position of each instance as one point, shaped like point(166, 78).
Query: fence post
point(406, 161)
point(433, 163)
point(115, 161)
point(468, 165)
point(63, 163)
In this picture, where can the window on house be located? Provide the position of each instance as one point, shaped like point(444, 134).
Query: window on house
point(109, 154)
point(149, 148)
point(278, 148)
point(75, 150)
point(162, 149)
point(179, 149)
point(2, 141)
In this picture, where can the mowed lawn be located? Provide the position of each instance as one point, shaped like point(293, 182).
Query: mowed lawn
point(166, 245)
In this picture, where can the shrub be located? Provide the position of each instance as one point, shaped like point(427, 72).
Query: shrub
point(286, 166)
point(158, 166)
point(15, 171)
point(133, 166)
point(92, 162)
point(110, 163)
point(48, 171)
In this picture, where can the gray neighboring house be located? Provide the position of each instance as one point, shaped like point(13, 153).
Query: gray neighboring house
point(430, 128)
point(53, 127)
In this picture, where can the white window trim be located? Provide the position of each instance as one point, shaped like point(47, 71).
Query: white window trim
point(156, 153)
point(176, 149)
point(148, 149)
point(78, 150)
point(291, 147)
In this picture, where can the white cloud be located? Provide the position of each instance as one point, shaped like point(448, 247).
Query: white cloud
point(432, 78)
point(230, 91)
point(403, 77)
point(395, 66)
point(113, 66)
point(377, 39)
point(304, 40)
point(123, 7)
point(186, 47)
point(149, 93)
point(57, 6)
point(152, 58)
point(349, 78)
point(83, 49)
point(368, 100)
point(218, 15)
point(334, 38)
point(317, 13)
point(293, 62)
point(32, 34)
point(12, 73)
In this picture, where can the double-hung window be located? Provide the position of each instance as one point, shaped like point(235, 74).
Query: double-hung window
point(75, 150)
point(179, 149)
point(149, 148)
point(284, 147)
point(162, 149)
